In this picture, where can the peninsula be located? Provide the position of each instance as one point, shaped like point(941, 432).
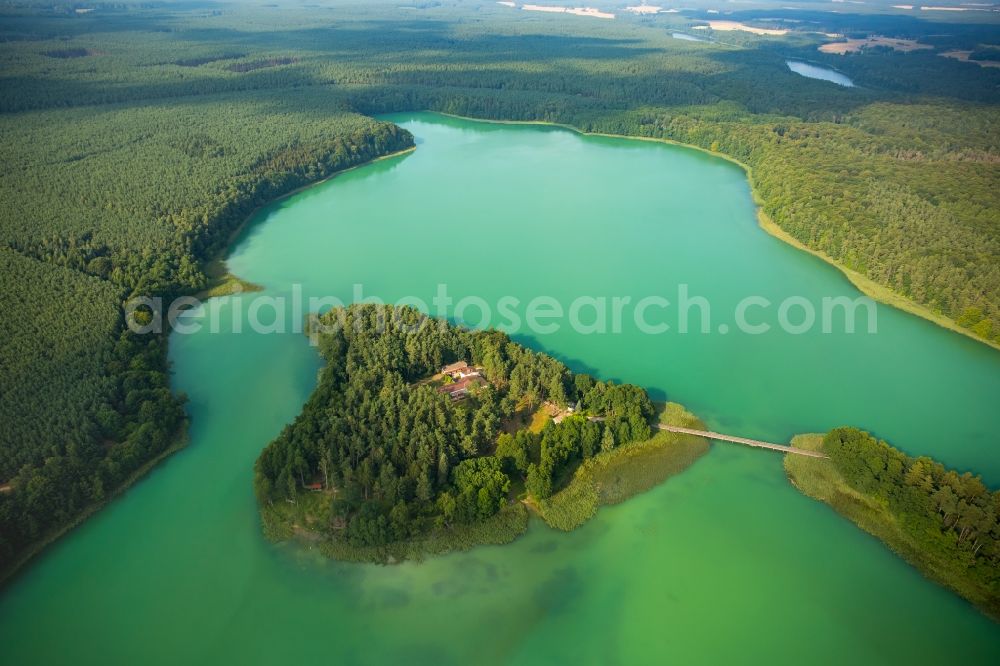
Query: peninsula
point(942, 522)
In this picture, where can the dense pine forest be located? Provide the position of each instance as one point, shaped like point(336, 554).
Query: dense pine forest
point(136, 138)
point(395, 458)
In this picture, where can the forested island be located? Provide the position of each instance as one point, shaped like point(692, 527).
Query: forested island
point(944, 523)
point(423, 437)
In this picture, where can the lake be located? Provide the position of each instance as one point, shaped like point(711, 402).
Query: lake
point(821, 73)
point(723, 563)
point(686, 37)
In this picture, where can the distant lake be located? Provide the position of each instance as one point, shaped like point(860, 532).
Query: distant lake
point(686, 37)
point(822, 73)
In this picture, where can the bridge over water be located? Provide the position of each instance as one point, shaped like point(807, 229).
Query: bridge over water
point(742, 440)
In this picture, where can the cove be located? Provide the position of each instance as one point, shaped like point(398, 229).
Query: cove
point(725, 562)
point(821, 73)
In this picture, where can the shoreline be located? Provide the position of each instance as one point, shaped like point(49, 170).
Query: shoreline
point(504, 527)
point(220, 258)
point(862, 283)
point(616, 476)
point(608, 478)
point(10, 573)
point(224, 280)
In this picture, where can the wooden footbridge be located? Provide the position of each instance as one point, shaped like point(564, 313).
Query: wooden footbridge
point(742, 440)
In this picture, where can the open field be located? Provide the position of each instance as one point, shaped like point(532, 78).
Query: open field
point(730, 26)
point(963, 56)
point(874, 41)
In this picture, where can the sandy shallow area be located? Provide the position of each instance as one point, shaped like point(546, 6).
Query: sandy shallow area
point(644, 9)
point(856, 45)
point(964, 57)
point(578, 11)
point(729, 26)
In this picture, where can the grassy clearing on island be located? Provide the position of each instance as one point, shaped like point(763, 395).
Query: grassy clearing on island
point(617, 475)
point(539, 419)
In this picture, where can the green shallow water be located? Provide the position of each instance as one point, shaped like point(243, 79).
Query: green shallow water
point(725, 562)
